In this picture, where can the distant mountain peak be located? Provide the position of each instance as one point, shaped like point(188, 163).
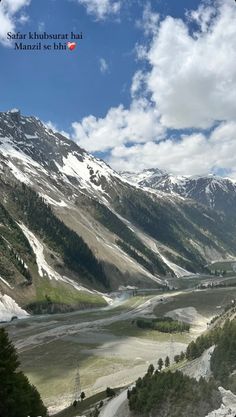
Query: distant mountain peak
point(14, 111)
point(211, 190)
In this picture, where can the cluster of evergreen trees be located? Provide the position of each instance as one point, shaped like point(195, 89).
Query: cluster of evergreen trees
point(20, 265)
point(163, 324)
point(196, 348)
point(40, 218)
point(173, 225)
point(128, 241)
point(12, 258)
point(13, 233)
point(134, 254)
point(17, 397)
point(223, 359)
point(13, 247)
point(164, 223)
point(176, 395)
point(173, 394)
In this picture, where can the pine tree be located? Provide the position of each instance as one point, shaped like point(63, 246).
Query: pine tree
point(193, 350)
point(167, 362)
point(160, 364)
point(8, 357)
point(17, 397)
point(150, 369)
point(82, 395)
point(177, 358)
point(110, 392)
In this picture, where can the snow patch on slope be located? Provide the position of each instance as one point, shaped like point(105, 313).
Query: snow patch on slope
point(8, 150)
point(9, 308)
point(20, 163)
point(52, 202)
point(6, 283)
point(139, 177)
point(43, 267)
point(18, 174)
point(178, 270)
point(87, 170)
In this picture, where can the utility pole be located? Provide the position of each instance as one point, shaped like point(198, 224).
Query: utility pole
point(77, 388)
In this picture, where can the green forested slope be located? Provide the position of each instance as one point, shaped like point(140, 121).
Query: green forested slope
point(169, 394)
point(39, 217)
point(177, 224)
point(15, 250)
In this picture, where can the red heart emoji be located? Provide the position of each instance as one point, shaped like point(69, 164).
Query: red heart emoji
point(71, 45)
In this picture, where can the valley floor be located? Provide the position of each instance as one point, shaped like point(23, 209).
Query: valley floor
point(62, 354)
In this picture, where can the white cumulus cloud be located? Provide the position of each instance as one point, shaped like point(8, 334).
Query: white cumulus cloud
point(101, 9)
point(9, 16)
point(138, 124)
point(193, 75)
point(149, 21)
point(103, 65)
point(189, 85)
point(195, 154)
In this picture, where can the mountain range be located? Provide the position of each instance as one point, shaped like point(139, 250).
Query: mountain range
point(73, 229)
point(213, 191)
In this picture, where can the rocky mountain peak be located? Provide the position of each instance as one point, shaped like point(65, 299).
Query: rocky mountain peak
point(32, 150)
point(213, 191)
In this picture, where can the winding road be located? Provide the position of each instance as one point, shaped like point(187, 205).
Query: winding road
point(111, 409)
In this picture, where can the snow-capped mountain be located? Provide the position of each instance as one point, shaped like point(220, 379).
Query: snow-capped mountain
point(31, 150)
point(70, 225)
point(145, 177)
point(213, 191)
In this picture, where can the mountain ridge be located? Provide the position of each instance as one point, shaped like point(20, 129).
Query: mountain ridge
point(139, 236)
point(209, 190)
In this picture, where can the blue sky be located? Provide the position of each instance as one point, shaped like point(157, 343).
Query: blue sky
point(117, 94)
point(65, 86)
